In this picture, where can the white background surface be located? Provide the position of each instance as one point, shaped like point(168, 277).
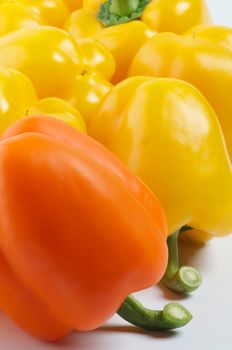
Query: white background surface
point(211, 305)
point(221, 11)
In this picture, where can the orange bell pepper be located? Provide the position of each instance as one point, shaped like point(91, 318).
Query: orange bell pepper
point(78, 233)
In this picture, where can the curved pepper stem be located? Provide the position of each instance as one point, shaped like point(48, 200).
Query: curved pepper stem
point(114, 12)
point(172, 316)
point(123, 8)
point(183, 279)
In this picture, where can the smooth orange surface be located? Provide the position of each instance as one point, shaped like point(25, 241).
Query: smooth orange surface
point(79, 231)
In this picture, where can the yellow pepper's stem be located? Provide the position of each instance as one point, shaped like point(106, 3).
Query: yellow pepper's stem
point(172, 316)
point(183, 279)
point(114, 12)
point(123, 7)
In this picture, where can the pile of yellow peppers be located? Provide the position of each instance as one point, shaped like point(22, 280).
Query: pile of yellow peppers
point(149, 80)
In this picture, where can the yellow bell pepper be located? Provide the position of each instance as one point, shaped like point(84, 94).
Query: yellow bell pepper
point(217, 35)
point(87, 93)
point(165, 15)
point(59, 109)
point(14, 16)
point(96, 58)
point(49, 56)
point(117, 15)
point(168, 134)
point(203, 58)
point(176, 15)
point(83, 23)
point(73, 4)
point(17, 95)
point(117, 39)
point(52, 12)
point(92, 4)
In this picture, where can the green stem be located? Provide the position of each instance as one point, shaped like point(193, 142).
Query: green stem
point(114, 12)
point(172, 316)
point(123, 7)
point(183, 279)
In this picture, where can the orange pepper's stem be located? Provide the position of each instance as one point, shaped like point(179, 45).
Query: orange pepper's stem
point(114, 12)
point(172, 316)
point(183, 279)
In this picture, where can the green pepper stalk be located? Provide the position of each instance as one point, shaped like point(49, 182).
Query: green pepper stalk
point(185, 279)
point(172, 316)
point(114, 12)
point(182, 280)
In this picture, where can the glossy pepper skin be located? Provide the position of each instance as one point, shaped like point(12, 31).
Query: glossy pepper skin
point(167, 133)
point(52, 12)
point(96, 58)
point(48, 56)
point(14, 15)
point(57, 184)
point(92, 4)
point(158, 15)
point(87, 93)
point(17, 95)
point(204, 60)
point(59, 109)
point(83, 24)
point(217, 35)
point(117, 39)
point(176, 16)
point(73, 4)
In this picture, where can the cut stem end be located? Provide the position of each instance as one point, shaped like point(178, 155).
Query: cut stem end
point(173, 316)
point(185, 279)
